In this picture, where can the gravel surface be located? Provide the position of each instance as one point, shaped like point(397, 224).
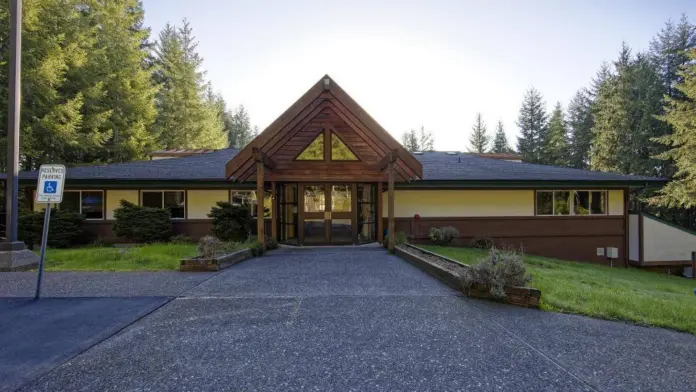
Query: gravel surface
point(327, 319)
point(100, 284)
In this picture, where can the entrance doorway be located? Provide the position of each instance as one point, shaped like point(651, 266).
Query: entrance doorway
point(328, 214)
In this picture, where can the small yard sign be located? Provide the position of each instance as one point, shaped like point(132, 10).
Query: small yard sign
point(50, 186)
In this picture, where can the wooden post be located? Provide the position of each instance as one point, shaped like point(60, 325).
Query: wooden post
point(380, 222)
point(274, 211)
point(259, 203)
point(390, 202)
point(693, 265)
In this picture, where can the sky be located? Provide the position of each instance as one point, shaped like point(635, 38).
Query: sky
point(412, 63)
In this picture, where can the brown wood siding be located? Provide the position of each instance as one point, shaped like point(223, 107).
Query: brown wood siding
point(568, 238)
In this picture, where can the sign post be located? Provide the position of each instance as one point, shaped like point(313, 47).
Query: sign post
point(49, 189)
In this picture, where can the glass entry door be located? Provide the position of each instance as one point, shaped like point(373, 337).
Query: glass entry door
point(328, 216)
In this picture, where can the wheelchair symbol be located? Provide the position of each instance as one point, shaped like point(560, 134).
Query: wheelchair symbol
point(50, 186)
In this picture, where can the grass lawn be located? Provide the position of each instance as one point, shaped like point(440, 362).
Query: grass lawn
point(153, 257)
point(618, 293)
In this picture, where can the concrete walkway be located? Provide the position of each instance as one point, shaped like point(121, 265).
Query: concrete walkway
point(360, 319)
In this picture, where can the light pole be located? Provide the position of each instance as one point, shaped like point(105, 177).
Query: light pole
point(13, 256)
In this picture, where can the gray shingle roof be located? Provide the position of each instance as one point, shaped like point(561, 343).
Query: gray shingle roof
point(437, 166)
point(441, 166)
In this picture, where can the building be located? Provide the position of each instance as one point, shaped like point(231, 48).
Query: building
point(324, 168)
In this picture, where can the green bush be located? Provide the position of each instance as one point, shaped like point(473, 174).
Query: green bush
point(271, 244)
point(256, 250)
point(444, 235)
point(142, 224)
point(64, 229)
point(499, 270)
point(230, 223)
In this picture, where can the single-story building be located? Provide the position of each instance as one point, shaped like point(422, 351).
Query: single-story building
point(330, 174)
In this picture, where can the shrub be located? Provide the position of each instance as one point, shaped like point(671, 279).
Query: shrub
point(230, 223)
point(142, 224)
point(499, 270)
point(443, 236)
point(64, 229)
point(400, 239)
point(256, 250)
point(481, 243)
point(271, 244)
point(208, 247)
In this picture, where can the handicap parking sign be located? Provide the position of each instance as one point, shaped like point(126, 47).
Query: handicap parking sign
point(50, 187)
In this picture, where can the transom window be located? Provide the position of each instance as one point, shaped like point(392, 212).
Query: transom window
point(174, 201)
point(317, 150)
point(569, 202)
point(88, 203)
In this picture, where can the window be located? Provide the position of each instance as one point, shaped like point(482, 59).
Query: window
point(339, 150)
point(174, 201)
point(571, 202)
point(315, 150)
point(88, 203)
point(248, 198)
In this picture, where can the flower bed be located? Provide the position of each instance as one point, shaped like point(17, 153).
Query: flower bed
point(217, 263)
point(451, 272)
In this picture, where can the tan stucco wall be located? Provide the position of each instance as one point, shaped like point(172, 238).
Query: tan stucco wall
point(461, 203)
point(666, 243)
point(616, 202)
point(114, 197)
point(201, 201)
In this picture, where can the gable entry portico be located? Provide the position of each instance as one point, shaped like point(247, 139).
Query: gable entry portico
point(325, 163)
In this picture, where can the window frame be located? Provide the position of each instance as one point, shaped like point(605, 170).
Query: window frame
point(571, 205)
point(327, 134)
point(79, 192)
point(162, 200)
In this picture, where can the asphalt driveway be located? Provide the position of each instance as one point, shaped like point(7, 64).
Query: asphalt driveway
point(360, 319)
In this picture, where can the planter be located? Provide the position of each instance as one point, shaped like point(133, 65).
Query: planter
point(198, 264)
point(450, 272)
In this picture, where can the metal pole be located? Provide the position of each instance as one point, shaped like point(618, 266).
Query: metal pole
point(12, 183)
point(44, 241)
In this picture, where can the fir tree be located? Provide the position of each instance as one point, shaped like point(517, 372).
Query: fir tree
point(240, 132)
point(532, 122)
point(185, 118)
point(580, 123)
point(556, 143)
point(500, 142)
point(478, 140)
point(681, 115)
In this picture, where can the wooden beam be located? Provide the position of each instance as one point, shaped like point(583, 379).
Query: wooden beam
point(259, 203)
point(274, 211)
point(388, 159)
point(390, 202)
point(380, 223)
point(260, 156)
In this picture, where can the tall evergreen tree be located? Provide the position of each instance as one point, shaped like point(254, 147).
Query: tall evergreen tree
point(624, 119)
point(580, 123)
point(479, 139)
point(185, 118)
point(681, 115)
point(669, 51)
point(500, 142)
point(240, 130)
point(532, 122)
point(556, 144)
point(120, 108)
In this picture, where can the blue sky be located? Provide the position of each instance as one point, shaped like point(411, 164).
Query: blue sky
point(412, 63)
